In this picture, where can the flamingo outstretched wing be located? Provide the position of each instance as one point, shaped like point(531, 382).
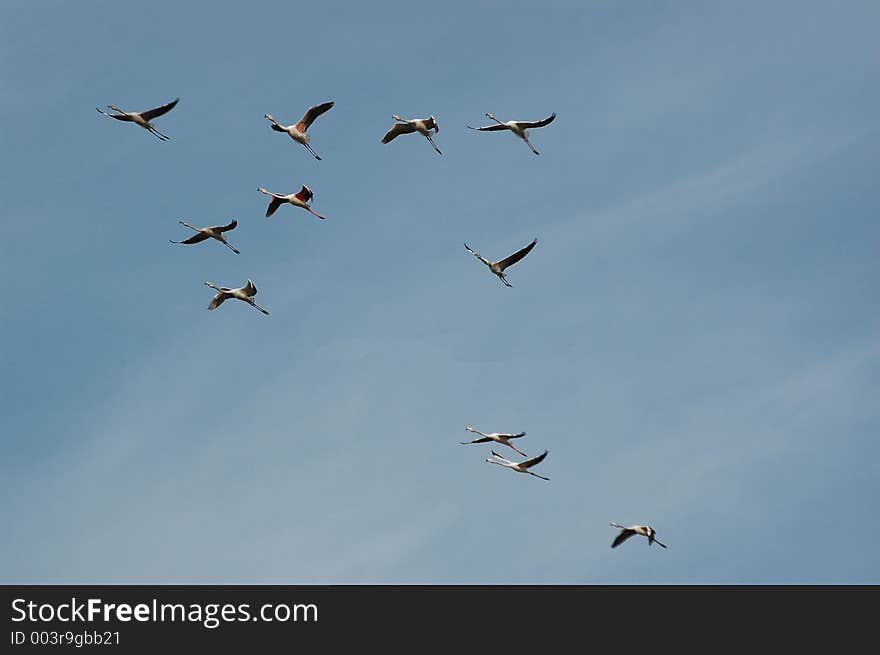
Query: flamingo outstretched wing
point(305, 194)
point(396, 130)
point(155, 112)
point(527, 125)
point(311, 114)
point(198, 237)
point(535, 460)
point(510, 260)
point(496, 127)
point(226, 228)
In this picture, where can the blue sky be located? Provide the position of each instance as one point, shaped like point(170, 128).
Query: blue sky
point(694, 338)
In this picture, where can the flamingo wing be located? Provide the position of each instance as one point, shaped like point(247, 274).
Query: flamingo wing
point(305, 194)
point(150, 114)
point(195, 238)
point(226, 228)
point(218, 299)
point(396, 130)
point(535, 460)
point(495, 127)
point(119, 117)
point(526, 125)
point(250, 288)
point(625, 534)
point(510, 260)
point(274, 204)
point(311, 114)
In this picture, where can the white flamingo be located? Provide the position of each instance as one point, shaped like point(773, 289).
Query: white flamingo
point(519, 467)
point(627, 532)
point(499, 266)
point(214, 232)
point(299, 199)
point(297, 131)
point(497, 437)
point(142, 118)
point(517, 127)
point(245, 293)
point(407, 126)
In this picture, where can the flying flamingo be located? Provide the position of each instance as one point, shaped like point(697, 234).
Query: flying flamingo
point(300, 199)
point(497, 437)
point(245, 293)
point(520, 467)
point(297, 131)
point(142, 118)
point(499, 266)
point(627, 532)
point(421, 125)
point(517, 127)
point(215, 232)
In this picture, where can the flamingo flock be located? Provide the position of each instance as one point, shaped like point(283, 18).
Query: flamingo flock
point(427, 127)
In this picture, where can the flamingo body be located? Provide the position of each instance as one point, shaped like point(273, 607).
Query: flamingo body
point(213, 232)
point(497, 437)
point(142, 118)
point(423, 126)
point(245, 293)
point(498, 267)
point(298, 130)
point(628, 531)
point(299, 199)
point(519, 467)
point(519, 128)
